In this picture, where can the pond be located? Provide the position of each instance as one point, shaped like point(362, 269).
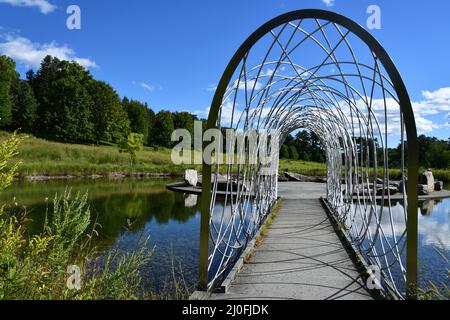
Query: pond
point(433, 239)
point(130, 210)
point(434, 242)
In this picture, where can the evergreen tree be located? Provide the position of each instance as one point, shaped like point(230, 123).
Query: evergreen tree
point(119, 127)
point(284, 152)
point(151, 122)
point(293, 153)
point(64, 103)
point(24, 106)
point(317, 150)
point(162, 129)
point(8, 75)
point(107, 113)
point(302, 142)
point(138, 113)
point(185, 120)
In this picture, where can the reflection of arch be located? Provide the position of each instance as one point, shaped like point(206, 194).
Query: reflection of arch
point(351, 108)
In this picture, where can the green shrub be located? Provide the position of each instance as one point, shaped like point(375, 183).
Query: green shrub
point(35, 268)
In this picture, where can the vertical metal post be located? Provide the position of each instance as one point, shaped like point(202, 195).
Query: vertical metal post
point(412, 228)
point(204, 227)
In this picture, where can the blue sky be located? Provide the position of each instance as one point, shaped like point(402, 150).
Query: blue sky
point(171, 53)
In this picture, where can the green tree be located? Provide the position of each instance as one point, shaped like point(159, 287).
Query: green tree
point(309, 146)
point(107, 110)
point(119, 127)
point(64, 103)
point(139, 116)
point(293, 153)
point(131, 145)
point(302, 142)
point(185, 120)
point(24, 109)
point(162, 129)
point(8, 75)
point(317, 149)
point(151, 122)
point(284, 152)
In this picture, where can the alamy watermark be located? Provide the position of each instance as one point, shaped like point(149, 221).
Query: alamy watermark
point(228, 146)
point(374, 280)
point(374, 20)
point(74, 279)
point(73, 21)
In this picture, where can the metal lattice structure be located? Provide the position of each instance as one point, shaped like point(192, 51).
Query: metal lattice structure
point(315, 70)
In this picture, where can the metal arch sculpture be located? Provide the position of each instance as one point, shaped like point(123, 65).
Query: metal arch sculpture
point(299, 71)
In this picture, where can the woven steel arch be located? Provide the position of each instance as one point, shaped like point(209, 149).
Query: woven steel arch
point(320, 71)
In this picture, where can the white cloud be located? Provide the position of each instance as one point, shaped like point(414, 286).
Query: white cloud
point(434, 232)
point(249, 85)
point(211, 88)
point(328, 3)
point(43, 5)
point(442, 94)
point(148, 87)
point(30, 54)
point(434, 103)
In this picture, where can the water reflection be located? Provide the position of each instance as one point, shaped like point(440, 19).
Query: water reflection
point(130, 210)
point(434, 233)
point(127, 212)
point(434, 223)
point(433, 218)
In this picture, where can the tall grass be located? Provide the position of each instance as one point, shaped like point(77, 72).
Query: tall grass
point(303, 167)
point(437, 292)
point(42, 157)
point(35, 268)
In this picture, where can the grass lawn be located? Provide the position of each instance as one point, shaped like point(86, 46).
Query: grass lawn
point(42, 157)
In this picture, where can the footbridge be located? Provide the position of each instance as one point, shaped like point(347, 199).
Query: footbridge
point(320, 71)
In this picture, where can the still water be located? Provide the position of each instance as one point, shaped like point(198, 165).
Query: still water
point(131, 210)
point(128, 212)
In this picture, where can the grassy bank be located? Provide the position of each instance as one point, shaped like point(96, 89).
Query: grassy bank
point(42, 157)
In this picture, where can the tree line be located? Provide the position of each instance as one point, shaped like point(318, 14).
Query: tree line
point(63, 102)
point(433, 152)
point(304, 146)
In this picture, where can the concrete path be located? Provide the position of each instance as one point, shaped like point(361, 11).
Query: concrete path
point(301, 257)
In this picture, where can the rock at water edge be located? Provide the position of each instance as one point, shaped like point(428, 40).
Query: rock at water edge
point(191, 177)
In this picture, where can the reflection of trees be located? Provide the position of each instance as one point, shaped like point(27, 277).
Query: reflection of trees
point(127, 211)
point(132, 212)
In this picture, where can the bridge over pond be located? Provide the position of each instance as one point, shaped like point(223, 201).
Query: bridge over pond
point(319, 71)
point(301, 257)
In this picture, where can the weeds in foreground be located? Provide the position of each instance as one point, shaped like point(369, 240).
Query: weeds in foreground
point(248, 257)
point(433, 291)
point(176, 287)
point(36, 268)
